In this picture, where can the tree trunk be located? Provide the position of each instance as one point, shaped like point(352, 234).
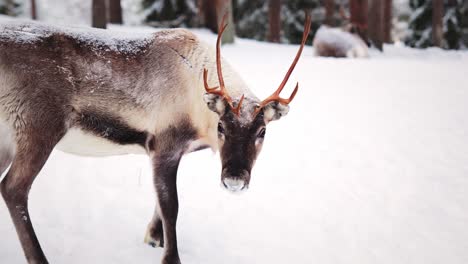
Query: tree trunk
point(274, 17)
point(329, 12)
point(99, 14)
point(115, 12)
point(387, 21)
point(223, 7)
point(358, 17)
point(376, 28)
point(437, 14)
point(207, 9)
point(33, 10)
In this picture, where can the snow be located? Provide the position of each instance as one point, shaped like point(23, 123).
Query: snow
point(32, 32)
point(369, 166)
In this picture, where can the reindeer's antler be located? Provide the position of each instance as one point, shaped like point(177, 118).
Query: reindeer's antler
point(222, 89)
point(275, 96)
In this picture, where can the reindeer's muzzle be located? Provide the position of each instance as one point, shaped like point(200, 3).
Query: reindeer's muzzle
point(235, 182)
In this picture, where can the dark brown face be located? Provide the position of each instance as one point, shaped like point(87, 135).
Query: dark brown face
point(241, 127)
point(240, 143)
point(240, 137)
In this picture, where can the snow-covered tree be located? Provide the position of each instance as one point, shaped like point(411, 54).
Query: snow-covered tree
point(454, 24)
point(10, 7)
point(251, 18)
point(294, 18)
point(171, 13)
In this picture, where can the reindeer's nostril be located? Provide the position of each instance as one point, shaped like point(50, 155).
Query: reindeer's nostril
point(234, 184)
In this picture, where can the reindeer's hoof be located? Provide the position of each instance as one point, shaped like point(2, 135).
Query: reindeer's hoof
point(154, 239)
point(171, 259)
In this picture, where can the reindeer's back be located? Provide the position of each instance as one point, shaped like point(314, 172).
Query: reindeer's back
point(73, 69)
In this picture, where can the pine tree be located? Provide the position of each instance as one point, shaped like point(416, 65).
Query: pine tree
point(10, 7)
point(295, 13)
point(252, 18)
point(171, 13)
point(454, 24)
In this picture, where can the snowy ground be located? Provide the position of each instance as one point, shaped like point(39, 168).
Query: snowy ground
point(370, 166)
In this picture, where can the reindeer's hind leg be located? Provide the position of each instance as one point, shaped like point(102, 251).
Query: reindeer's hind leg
point(32, 150)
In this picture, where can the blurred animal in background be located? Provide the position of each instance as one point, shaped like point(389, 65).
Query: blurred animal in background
point(340, 42)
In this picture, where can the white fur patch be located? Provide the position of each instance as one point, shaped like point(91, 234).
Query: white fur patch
point(82, 143)
point(269, 114)
point(195, 145)
point(215, 102)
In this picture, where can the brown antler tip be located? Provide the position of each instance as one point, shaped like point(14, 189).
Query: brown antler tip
point(293, 94)
point(239, 105)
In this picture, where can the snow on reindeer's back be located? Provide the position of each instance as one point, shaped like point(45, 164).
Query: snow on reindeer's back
point(29, 32)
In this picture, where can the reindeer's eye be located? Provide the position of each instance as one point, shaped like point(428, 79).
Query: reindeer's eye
point(220, 128)
point(261, 134)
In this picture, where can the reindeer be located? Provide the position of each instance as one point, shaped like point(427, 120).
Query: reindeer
point(346, 41)
point(90, 93)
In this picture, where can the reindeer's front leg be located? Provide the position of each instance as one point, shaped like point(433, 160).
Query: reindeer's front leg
point(166, 150)
point(165, 173)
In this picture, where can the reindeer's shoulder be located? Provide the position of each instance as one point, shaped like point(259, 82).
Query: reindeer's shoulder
point(177, 39)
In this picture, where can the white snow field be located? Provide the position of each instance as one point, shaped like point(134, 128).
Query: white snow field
point(370, 166)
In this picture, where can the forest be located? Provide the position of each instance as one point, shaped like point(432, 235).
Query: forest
point(414, 23)
point(368, 166)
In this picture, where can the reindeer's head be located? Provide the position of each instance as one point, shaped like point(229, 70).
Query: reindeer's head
point(242, 122)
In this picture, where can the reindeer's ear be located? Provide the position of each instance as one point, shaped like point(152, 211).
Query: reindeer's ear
point(274, 111)
point(215, 103)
